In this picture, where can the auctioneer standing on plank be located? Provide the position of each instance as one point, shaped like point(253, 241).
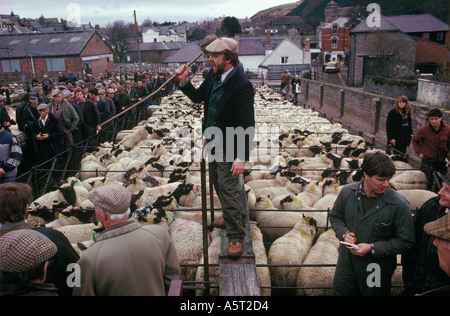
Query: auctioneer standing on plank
point(228, 98)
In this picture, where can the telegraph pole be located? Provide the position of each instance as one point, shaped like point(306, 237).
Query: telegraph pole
point(137, 41)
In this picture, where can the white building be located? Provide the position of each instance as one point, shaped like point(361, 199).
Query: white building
point(164, 34)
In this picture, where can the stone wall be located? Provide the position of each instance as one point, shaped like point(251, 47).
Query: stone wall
point(433, 93)
point(358, 110)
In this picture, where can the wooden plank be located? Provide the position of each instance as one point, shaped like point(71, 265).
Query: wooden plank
point(176, 287)
point(238, 280)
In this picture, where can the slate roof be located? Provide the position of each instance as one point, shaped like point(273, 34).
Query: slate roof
point(365, 27)
point(411, 23)
point(186, 54)
point(414, 23)
point(44, 44)
point(156, 46)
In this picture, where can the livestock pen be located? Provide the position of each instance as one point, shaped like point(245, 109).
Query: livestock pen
point(296, 151)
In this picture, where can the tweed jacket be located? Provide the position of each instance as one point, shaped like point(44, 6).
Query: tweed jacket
point(69, 116)
point(129, 259)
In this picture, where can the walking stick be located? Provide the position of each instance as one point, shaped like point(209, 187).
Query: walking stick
point(150, 95)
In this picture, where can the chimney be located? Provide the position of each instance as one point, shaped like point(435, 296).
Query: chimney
point(307, 45)
point(268, 39)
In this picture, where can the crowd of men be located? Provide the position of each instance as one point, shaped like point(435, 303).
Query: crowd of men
point(55, 115)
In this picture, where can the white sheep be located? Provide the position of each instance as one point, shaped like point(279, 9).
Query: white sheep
point(259, 250)
point(91, 169)
point(78, 232)
point(214, 250)
point(408, 180)
point(417, 197)
point(325, 251)
point(291, 249)
point(188, 240)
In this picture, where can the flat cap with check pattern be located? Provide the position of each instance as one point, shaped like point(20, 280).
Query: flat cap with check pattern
point(24, 250)
point(439, 228)
point(113, 198)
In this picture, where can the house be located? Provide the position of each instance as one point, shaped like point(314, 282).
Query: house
point(39, 54)
point(288, 56)
point(334, 38)
point(186, 55)
point(164, 34)
point(383, 49)
point(155, 53)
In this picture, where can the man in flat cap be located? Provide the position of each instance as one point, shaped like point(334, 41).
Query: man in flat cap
point(66, 113)
point(24, 259)
point(440, 231)
point(228, 98)
point(421, 271)
point(128, 259)
point(49, 134)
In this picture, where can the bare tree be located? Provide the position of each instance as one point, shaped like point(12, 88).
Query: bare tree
point(117, 33)
point(147, 22)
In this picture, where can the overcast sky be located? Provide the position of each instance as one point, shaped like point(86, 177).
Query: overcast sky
point(108, 11)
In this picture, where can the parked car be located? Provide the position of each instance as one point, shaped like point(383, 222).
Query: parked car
point(333, 66)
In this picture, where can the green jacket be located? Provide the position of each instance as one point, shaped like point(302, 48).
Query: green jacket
point(69, 116)
point(388, 224)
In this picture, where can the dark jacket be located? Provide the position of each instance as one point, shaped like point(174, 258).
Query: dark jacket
point(57, 269)
point(31, 289)
point(235, 108)
point(388, 224)
point(396, 128)
point(91, 118)
point(55, 144)
point(421, 271)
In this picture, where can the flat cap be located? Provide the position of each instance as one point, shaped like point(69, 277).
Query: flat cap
point(113, 198)
point(110, 90)
point(42, 106)
point(439, 228)
point(2, 97)
point(56, 91)
point(445, 177)
point(223, 45)
point(33, 95)
point(24, 250)
point(66, 93)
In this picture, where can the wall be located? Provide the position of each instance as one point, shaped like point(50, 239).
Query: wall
point(398, 45)
point(429, 52)
point(357, 110)
point(434, 93)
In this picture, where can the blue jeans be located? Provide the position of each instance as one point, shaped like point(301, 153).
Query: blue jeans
point(7, 180)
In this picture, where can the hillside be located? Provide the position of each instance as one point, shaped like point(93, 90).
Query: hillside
point(312, 11)
point(275, 12)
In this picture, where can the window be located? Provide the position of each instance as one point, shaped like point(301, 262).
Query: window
point(440, 36)
point(11, 65)
point(335, 29)
point(284, 60)
point(334, 42)
point(56, 64)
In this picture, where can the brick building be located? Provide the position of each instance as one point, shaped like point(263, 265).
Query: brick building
point(388, 50)
point(335, 38)
point(27, 56)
